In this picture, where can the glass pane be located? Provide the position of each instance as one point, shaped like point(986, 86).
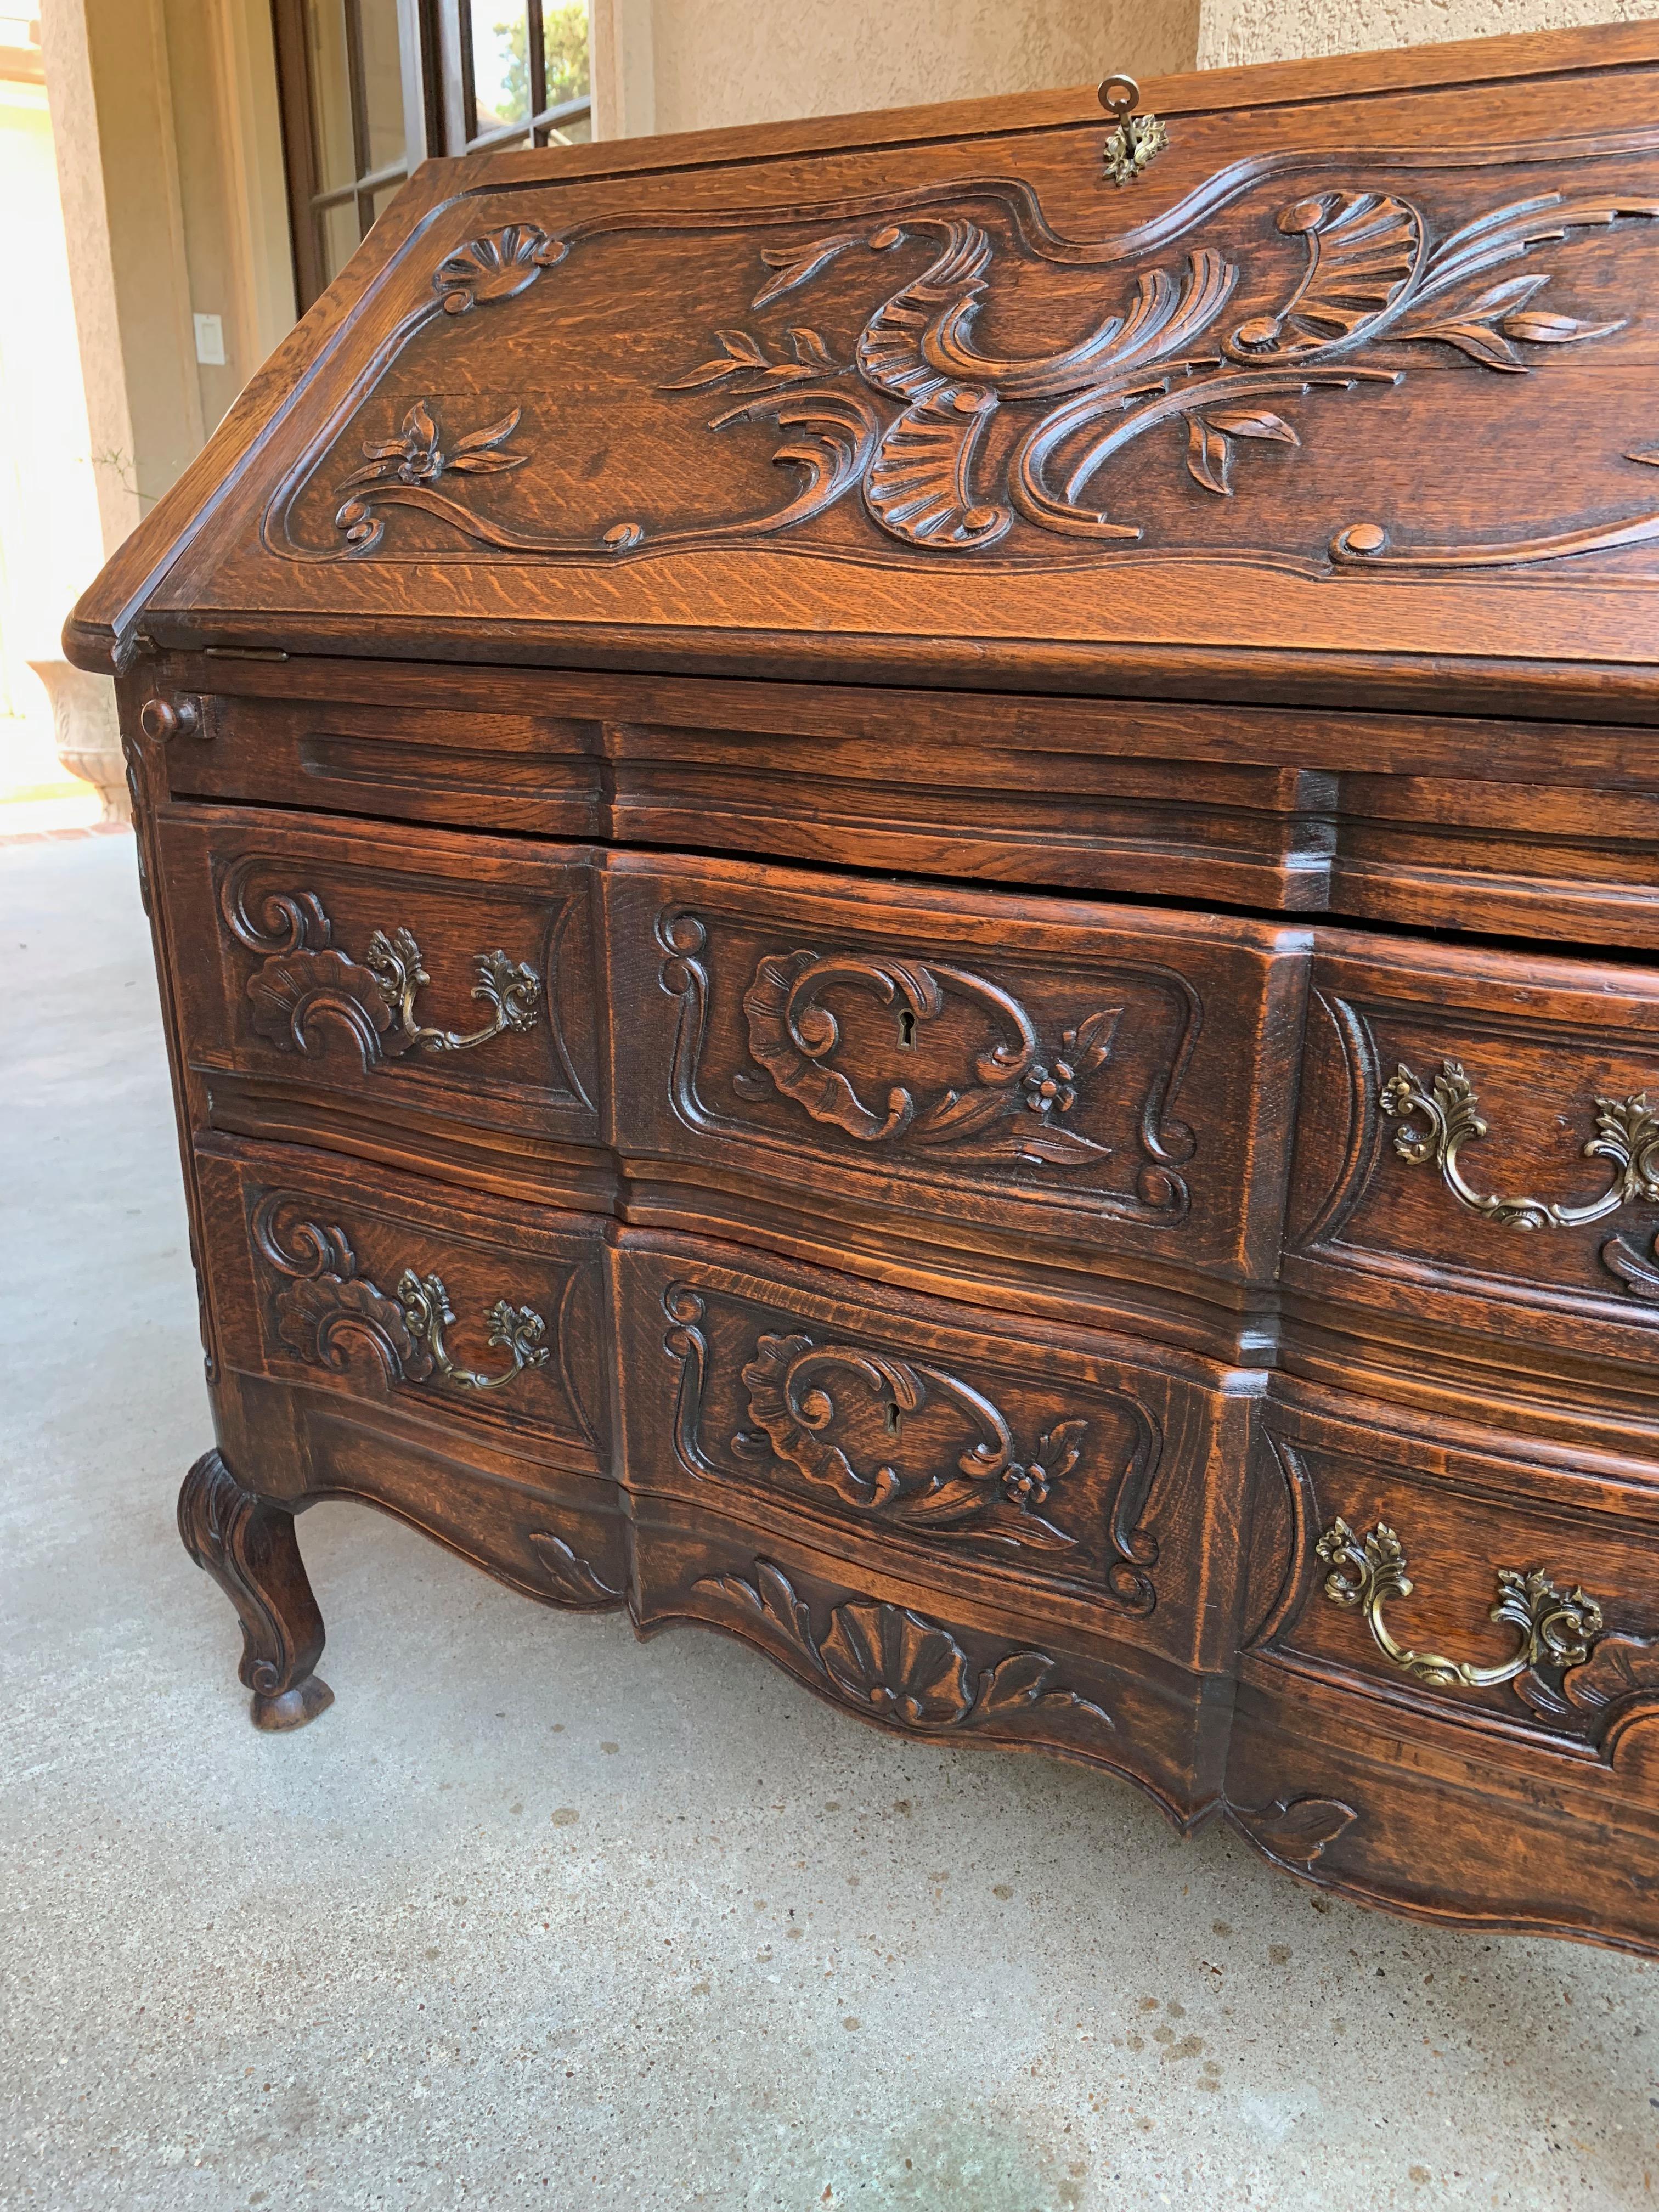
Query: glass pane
point(576, 132)
point(340, 236)
point(564, 43)
point(501, 65)
point(383, 83)
point(330, 93)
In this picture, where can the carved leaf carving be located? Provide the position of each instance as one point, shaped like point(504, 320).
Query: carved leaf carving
point(570, 1579)
point(1294, 1830)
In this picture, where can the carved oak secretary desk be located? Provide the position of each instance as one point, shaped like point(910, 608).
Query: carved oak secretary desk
point(906, 878)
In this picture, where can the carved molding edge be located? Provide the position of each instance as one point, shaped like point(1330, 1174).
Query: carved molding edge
point(898, 1667)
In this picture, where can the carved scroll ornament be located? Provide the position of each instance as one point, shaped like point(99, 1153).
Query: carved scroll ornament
point(305, 983)
point(326, 1306)
point(981, 1486)
point(902, 423)
point(1626, 1138)
point(1014, 1108)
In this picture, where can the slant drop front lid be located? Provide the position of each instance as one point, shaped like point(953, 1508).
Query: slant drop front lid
point(1356, 366)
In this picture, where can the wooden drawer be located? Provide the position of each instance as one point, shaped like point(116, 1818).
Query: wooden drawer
point(403, 744)
point(1449, 1692)
point(1476, 1153)
point(1080, 1087)
point(417, 993)
point(1092, 1481)
point(1440, 1565)
point(402, 1296)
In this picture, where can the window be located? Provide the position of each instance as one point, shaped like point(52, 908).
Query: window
point(370, 87)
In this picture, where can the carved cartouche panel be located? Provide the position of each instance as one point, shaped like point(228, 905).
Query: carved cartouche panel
point(935, 1063)
point(901, 1668)
point(878, 1435)
point(1216, 344)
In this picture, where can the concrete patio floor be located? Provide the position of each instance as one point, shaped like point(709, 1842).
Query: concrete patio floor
point(537, 1915)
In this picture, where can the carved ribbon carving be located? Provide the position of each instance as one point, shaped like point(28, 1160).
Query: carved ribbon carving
point(1013, 1109)
point(897, 1666)
point(981, 1487)
point(903, 423)
point(305, 983)
point(1626, 1138)
point(1557, 1628)
point(326, 1304)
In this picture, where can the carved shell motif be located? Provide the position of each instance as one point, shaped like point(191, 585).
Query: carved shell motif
point(901, 1668)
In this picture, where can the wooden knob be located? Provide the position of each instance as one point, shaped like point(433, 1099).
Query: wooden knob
point(169, 718)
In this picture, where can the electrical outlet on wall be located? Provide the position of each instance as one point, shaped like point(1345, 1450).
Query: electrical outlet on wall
point(210, 341)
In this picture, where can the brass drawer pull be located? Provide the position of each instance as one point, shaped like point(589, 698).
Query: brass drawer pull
point(306, 979)
point(325, 1302)
point(1136, 140)
point(1626, 1136)
point(1557, 1628)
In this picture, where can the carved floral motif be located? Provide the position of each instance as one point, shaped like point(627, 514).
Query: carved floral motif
point(898, 1666)
point(570, 1579)
point(416, 457)
point(904, 422)
point(1293, 1831)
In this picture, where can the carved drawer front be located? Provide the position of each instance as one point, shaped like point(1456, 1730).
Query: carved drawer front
point(959, 1067)
point(407, 1297)
point(413, 989)
point(1092, 1479)
point(1478, 1142)
point(1447, 1568)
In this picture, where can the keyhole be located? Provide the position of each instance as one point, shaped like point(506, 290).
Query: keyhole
point(907, 1027)
point(891, 1412)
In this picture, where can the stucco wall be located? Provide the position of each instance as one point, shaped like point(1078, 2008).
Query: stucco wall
point(718, 62)
point(1236, 31)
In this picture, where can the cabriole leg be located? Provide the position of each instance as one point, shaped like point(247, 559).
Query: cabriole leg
point(249, 1548)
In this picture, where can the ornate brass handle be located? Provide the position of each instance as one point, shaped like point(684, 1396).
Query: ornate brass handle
point(1626, 1136)
point(1557, 1628)
point(1137, 139)
point(306, 981)
point(325, 1301)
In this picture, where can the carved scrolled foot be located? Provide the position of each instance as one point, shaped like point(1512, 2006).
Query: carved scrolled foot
point(249, 1548)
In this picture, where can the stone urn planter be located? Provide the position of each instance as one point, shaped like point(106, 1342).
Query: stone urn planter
point(88, 732)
